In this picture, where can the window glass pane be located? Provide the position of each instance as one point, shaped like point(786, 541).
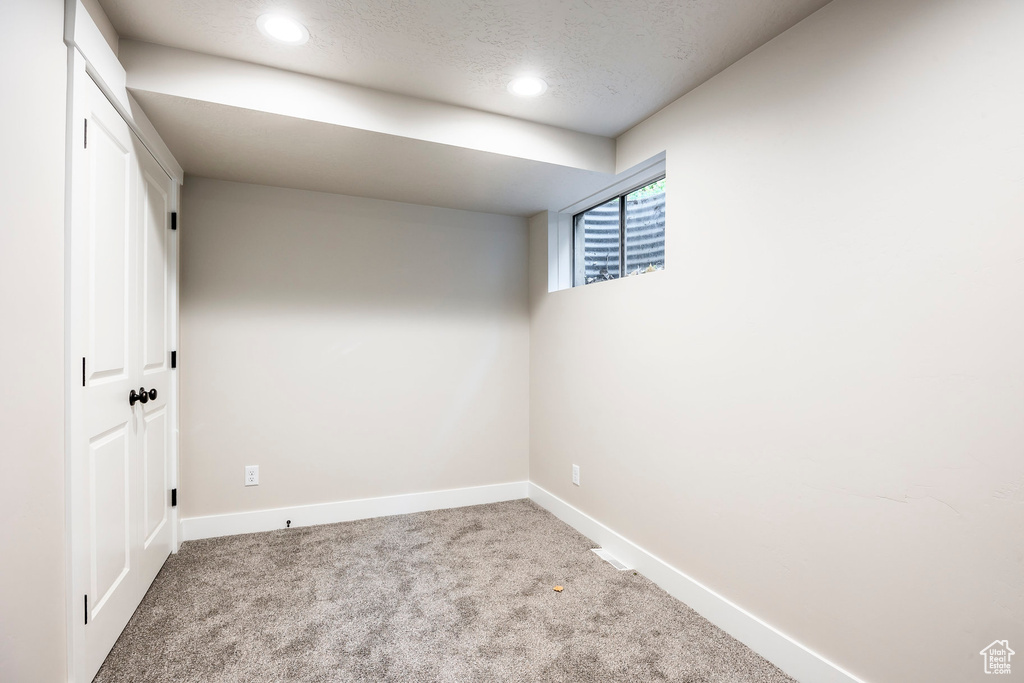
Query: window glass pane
point(645, 229)
point(601, 245)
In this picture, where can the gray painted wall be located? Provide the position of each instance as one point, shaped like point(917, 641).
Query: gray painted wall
point(816, 410)
point(351, 348)
point(32, 590)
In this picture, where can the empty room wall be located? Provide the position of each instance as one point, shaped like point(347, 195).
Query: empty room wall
point(352, 348)
point(32, 593)
point(817, 410)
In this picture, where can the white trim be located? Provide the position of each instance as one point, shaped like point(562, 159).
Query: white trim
point(787, 654)
point(564, 246)
point(193, 528)
point(76, 197)
point(629, 179)
point(560, 223)
point(74, 631)
point(103, 66)
point(174, 400)
point(559, 231)
point(143, 127)
point(101, 63)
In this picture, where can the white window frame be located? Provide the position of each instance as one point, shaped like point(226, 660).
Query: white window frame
point(560, 224)
point(578, 236)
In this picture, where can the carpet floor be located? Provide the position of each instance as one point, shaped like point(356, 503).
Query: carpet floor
point(450, 595)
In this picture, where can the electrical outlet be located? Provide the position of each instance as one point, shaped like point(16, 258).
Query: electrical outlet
point(252, 475)
point(576, 475)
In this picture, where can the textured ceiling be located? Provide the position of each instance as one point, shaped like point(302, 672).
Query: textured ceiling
point(609, 63)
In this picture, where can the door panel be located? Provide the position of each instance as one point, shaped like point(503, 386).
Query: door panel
point(156, 213)
point(110, 158)
point(154, 457)
point(110, 543)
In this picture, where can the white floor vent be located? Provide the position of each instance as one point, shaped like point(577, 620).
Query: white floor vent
point(610, 559)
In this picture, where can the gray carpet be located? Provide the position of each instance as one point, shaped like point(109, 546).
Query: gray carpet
point(450, 595)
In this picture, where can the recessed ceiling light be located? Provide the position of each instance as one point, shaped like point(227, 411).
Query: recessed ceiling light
point(527, 86)
point(282, 28)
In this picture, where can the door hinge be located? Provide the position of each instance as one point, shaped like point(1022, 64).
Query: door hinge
point(174, 359)
point(85, 135)
point(174, 220)
point(174, 498)
point(87, 610)
point(83, 371)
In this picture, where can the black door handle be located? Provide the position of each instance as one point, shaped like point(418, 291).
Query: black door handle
point(142, 397)
point(152, 395)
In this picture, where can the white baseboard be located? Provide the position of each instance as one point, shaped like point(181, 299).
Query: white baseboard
point(781, 650)
point(193, 528)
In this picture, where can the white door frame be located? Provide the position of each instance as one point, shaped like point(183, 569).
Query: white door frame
point(90, 60)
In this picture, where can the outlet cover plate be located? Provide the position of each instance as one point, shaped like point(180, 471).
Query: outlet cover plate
point(252, 475)
point(576, 475)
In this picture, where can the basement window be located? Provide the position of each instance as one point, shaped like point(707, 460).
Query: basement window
point(621, 237)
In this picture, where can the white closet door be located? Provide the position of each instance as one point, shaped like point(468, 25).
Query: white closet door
point(155, 189)
point(107, 479)
point(121, 462)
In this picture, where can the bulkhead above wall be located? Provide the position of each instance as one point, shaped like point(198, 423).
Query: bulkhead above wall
point(237, 121)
